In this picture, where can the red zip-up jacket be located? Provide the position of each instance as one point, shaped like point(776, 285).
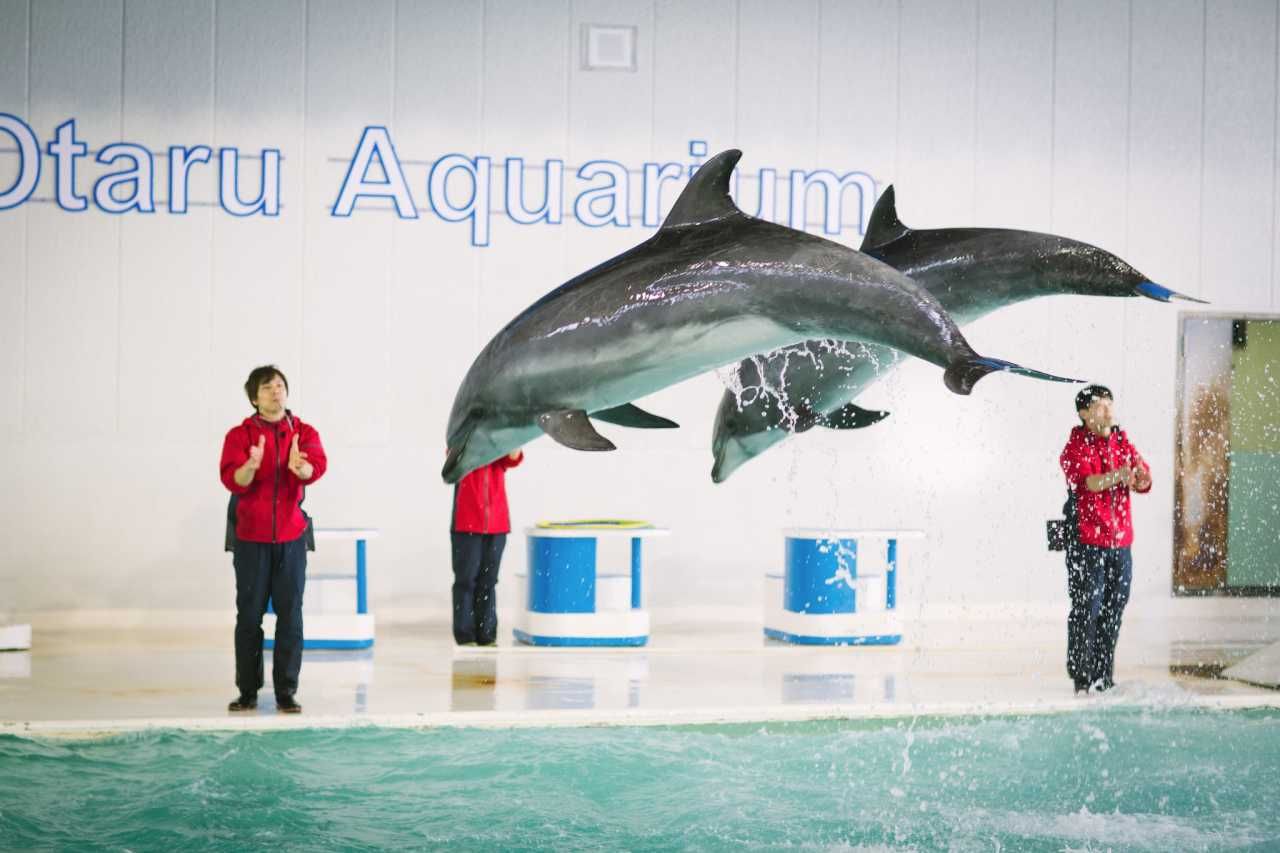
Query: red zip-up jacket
point(480, 499)
point(1105, 517)
point(268, 507)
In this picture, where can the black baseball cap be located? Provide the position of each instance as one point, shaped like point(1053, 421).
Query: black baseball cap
point(1090, 393)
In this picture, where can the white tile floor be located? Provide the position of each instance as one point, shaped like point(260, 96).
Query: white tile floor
point(81, 682)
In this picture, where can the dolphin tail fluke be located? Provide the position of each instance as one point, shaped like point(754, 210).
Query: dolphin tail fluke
point(852, 417)
point(629, 415)
point(962, 375)
point(1160, 293)
point(573, 429)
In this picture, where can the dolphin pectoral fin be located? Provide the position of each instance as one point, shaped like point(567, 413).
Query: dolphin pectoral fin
point(629, 415)
point(852, 417)
point(963, 374)
point(572, 428)
point(884, 226)
point(706, 197)
point(1160, 293)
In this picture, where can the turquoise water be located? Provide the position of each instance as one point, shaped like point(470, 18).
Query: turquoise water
point(1111, 778)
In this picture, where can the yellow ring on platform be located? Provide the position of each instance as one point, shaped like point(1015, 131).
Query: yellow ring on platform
point(595, 524)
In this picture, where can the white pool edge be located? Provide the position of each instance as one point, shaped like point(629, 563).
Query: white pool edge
point(530, 719)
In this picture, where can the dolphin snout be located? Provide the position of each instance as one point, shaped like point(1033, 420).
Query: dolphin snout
point(729, 456)
point(452, 470)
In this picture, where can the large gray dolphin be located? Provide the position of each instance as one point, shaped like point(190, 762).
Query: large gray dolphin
point(712, 286)
point(972, 272)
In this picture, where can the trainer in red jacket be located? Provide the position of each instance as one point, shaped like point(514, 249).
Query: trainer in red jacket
point(480, 498)
point(1102, 466)
point(478, 534)
point(268, 460)
point(1103, 511)
point(268, 507)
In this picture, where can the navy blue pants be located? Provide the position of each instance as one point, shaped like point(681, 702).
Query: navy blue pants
point(475, 577)
point(279, 572)
point(1098, 580)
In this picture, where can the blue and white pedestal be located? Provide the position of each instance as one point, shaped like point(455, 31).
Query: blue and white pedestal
point(839, 587)
point(568, 600)
point(15, 638)
point(335, 604)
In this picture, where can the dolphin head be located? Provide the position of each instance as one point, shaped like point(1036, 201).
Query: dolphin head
point(473, 440)
point(460, 454)
point(742, 432)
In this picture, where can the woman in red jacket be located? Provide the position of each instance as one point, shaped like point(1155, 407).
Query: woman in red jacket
point(268, 460)
point(1101, 466)
point(479, 531)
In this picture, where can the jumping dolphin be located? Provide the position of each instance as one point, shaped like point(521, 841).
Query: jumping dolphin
point(712, 286)
point(972, 272)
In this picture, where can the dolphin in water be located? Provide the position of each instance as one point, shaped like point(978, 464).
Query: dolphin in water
point(972, 272)
point(712, 286)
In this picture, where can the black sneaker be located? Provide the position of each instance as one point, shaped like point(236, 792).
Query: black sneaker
point(288, 705)
point(1081, 687)
point(243, 703)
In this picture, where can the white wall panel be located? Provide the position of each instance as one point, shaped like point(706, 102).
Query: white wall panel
point(526, 77)
point(1013, 149)
point(938, 78)
point(1013, 175)
point(259, 55)
point(14, 31)
point(694, 77)
point(777, 98)
point(347, 265)
point(1090, 170)
point(858, 84)
point(74, 258)
point(1013, 143)
point(165, 289)
point(611, 112)
point(434, 291)
point(526, 113)
point(1239, 144)
point(1166, 115)
point(858, 97)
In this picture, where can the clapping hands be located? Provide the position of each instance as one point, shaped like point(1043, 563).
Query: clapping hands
point(298, 463)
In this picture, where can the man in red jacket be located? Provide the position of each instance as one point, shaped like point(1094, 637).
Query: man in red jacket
point(1102, 467)
point(479, 531)
point(267, 460)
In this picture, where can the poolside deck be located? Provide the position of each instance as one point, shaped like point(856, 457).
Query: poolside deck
point(80, 682)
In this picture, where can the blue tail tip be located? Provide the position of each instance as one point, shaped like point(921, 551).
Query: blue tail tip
point(1151, 290)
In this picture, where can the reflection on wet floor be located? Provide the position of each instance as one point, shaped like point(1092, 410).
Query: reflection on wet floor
point(15, 664)
point(557, 681)
point(473, 684)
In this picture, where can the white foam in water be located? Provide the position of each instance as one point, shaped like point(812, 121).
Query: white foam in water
point(1134, 831)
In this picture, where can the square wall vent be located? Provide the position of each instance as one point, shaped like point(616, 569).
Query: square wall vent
point(608, 48)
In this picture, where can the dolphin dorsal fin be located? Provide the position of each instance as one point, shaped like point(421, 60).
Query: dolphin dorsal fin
point(707, 195)
point(884, 227)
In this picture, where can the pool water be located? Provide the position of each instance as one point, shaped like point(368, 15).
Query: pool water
point(1110, 778)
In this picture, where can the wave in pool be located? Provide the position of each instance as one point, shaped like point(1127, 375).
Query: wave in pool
point(1110, 778)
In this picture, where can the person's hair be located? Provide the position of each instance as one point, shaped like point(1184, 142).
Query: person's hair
point(260, 376)
point(1083, 400)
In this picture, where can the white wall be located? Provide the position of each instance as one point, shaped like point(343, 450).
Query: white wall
point(1148, 127)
